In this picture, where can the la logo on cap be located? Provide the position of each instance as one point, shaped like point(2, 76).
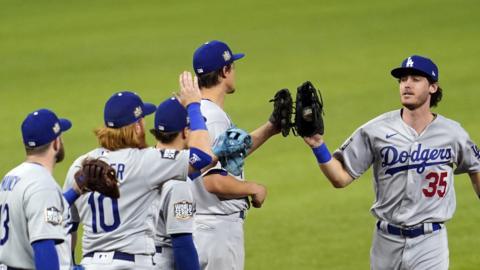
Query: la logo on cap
point(56, 128)
point(409, 62)
point(226, 56)
point(138, 112)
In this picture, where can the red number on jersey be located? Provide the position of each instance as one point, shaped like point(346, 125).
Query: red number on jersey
point(436, 184)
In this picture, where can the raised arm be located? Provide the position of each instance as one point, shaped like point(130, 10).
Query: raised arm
point(262, 134)
point(331, 167)
point(199, 142)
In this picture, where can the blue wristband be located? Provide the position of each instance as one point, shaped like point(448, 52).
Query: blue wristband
point(196, 118)
point(71, 195)
point(322, 154)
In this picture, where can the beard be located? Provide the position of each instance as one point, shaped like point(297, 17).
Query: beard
point(231, 91)
point(141, 141)
point(60, 155)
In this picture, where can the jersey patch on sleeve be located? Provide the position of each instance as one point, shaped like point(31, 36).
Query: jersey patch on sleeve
point(169, 153)
point(183, 210)
point(476, 151)
point(53, 216)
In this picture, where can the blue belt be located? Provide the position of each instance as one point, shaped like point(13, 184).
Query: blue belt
point(409, 232)
point(117, 255)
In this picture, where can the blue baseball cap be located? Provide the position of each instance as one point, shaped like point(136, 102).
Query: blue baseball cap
point(170, 116)
point(418, 65)
point(125, 108)
point(43, 126)
point(213, 55)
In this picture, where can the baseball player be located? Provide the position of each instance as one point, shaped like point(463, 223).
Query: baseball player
point(414, 154)
point(119, 233)
point(222, 199)
point(176, 202)
point(33, 212)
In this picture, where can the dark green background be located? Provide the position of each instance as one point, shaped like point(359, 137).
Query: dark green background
point(70, 56)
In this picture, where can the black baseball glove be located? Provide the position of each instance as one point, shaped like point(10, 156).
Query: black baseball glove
point(308, 111)
point(281, 116)
point(97, 175)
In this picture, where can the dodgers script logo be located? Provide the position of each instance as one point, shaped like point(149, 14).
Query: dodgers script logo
point(476, 151)
point(419, 158)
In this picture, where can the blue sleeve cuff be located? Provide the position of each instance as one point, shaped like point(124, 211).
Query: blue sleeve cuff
point(71, 196)
point(184, 252)
point(45, 254)
point(217, 171)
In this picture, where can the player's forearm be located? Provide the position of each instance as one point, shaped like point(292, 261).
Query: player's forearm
point(228, 187)
point(198, 137)
point(336, 173)
point(475, 178)
point(261, 135)
point(331, 167)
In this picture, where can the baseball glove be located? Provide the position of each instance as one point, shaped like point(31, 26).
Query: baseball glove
point(282, 111)
point(97, 175)
point(231, 148)
point(308, 111)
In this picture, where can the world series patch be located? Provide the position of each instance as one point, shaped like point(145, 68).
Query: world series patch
point(53, 216)
point(183, 210)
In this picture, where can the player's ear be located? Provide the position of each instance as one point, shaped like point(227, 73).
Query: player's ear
point(185, 133)
point(56, 144)
point(433, 88)
point(139, 129)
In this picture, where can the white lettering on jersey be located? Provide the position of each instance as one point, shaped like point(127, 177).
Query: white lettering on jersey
point(53, 216)
point(194, 159)
point(183, 210)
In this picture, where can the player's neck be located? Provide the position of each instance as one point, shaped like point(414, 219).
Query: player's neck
point(418, 118)
point(176, 144)
point(216, 94)
point(45, 161)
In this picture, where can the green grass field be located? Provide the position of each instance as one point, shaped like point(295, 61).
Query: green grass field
point(70, 56)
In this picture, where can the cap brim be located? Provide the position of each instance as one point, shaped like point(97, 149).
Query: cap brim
point(402, 71)
point(65, 124)
point(238, 56)
point(148, 108)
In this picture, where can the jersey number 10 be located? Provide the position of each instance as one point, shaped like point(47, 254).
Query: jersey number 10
point(101, 211)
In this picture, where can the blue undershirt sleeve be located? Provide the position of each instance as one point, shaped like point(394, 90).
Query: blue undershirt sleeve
point(184, 252)
point(45, 254)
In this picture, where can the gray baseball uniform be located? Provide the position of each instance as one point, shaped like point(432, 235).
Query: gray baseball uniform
point(218, 233)
point(413, 181)
point(32, 208)
point(119, 233)
point(177, 209)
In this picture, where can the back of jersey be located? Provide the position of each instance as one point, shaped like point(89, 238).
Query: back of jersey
point(31, 209)
point(126, 224)
point(208, 203)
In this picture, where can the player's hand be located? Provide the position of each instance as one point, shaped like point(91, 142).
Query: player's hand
point(314, 141)
point(189, 90)
point(259, 196)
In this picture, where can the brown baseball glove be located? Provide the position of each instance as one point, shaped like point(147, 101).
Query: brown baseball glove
point(97, 175)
